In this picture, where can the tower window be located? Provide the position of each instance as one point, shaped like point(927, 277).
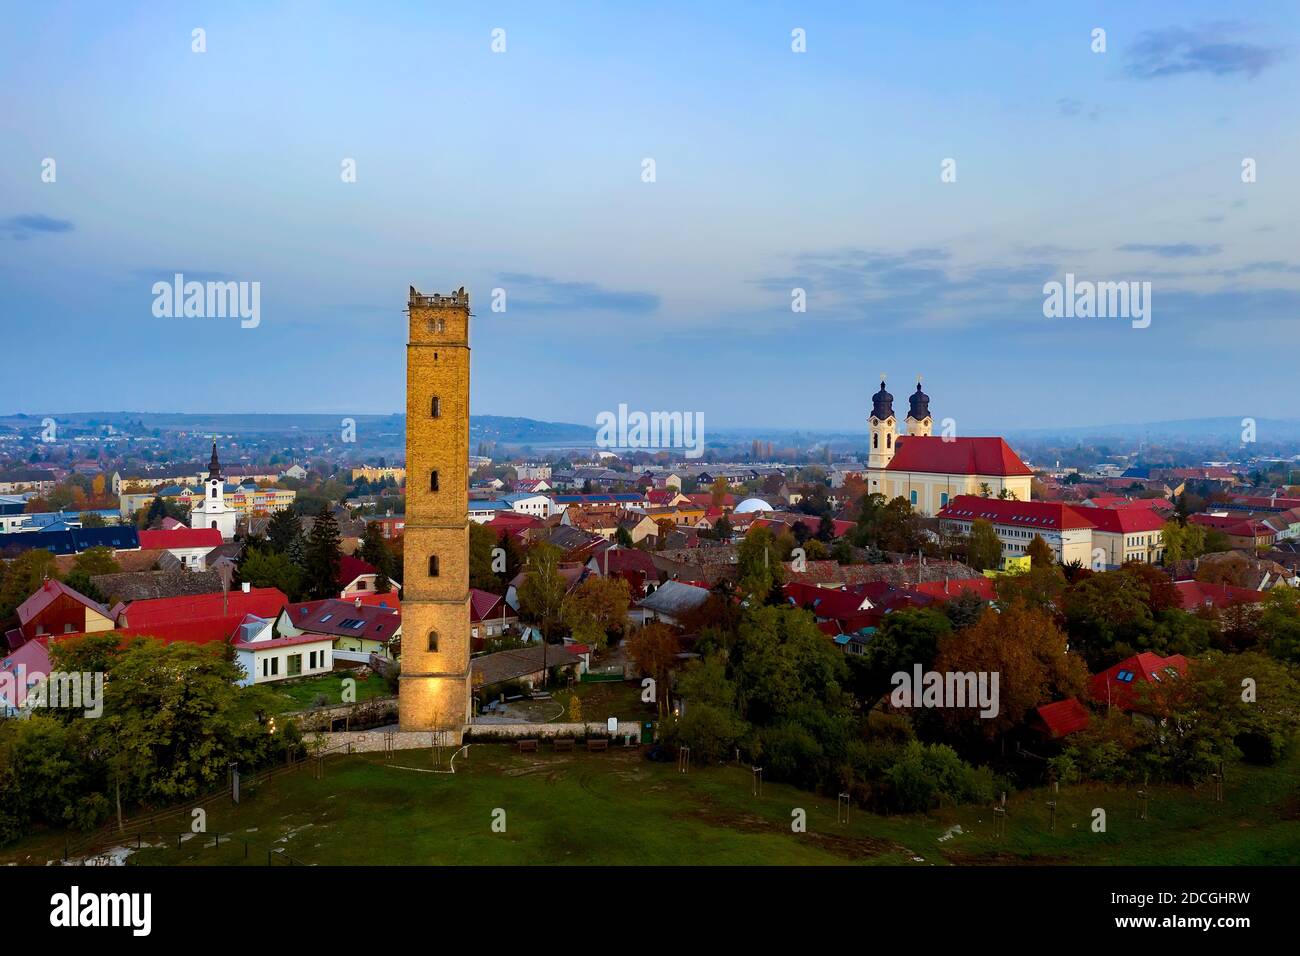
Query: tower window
point(889, 440)
point(433, 480)
point(433, 640)
point(433, 565)
point(436, 410)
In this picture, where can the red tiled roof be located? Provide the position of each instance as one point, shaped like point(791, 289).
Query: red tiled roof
point(351, 568)
point(264, 602)
point(375, 599)
point(1117, 685)
point(1234, 525)
point(485, 604)
point(956, 456)
point(34, 658)
point(617, 560)
point(1064, 717)
point(1125, 520)
point(181, 538)
point(1047, 515)
point(283, 642)
point(47, 594)
point(327, 617)
point(947, 590)
point(1194, 594)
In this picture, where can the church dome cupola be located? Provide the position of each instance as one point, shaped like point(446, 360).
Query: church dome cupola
point(882, 403)
point(920, 403)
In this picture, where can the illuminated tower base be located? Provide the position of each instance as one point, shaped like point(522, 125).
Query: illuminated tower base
point(434, 692)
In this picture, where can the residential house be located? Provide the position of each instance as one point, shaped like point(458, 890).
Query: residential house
point(357, 629)
point(56, 609)
point(190, 546)
point(489, 616)
point(264, 658)
point(671, 601)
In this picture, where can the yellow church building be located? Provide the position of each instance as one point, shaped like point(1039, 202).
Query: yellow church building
point(930, 471)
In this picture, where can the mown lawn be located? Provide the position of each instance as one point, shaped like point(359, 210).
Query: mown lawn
point(301, 694)
point(618, 808)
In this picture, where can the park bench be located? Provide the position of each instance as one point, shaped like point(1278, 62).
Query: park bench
point(564, 745)
point(528, 746)
point(597, 745)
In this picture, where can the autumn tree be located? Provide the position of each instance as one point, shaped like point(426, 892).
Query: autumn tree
point(1040, 552)
point(1027, 651)
point(758, 563)
point(541, 595)
point(596, 609)
point(983, 548)
point(1108, 617)
point(655, 648)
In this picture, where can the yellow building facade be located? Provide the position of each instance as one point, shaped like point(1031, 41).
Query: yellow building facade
point(435, 683)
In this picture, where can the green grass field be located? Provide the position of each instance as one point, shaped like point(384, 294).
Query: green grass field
point(301, 694)
point(618, 808)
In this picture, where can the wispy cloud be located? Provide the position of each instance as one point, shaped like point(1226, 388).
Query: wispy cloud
point(535, 293)
point(24, 227)
point(1068, 106)
point(1209, 49)
point(1171, 250)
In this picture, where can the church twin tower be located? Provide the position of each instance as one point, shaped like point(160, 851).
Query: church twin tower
point(435, 683)
point(884, 425)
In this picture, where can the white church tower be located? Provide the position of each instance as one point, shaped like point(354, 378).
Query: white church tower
point(884, 428)
point(214, 513)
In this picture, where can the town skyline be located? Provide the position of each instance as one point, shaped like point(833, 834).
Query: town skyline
point(818, 171)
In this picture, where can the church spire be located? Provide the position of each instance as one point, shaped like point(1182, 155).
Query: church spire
point(920, 403)
point(214, 466)
point(882, 403)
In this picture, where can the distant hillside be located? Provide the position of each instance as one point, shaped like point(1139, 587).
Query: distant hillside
point(526, 431)
point(1190, 429)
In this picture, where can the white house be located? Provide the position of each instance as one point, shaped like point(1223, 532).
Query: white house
point(265, 657)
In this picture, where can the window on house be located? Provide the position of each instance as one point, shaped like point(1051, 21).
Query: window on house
point(433, 640)
point(433, 565)
point(914, 497)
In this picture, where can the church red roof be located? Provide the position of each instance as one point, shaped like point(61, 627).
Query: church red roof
point(956, 456)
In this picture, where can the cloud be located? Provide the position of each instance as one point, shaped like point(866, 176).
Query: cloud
point(1209, 49)
point(536, 293)
point(916, 288)
point(1067, 106)
point(1171, 250)
point(24, 227)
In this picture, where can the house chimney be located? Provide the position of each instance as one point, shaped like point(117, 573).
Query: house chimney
point(247, 587)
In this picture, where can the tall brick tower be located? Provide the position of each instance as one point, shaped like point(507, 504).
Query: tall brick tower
point(435, 686)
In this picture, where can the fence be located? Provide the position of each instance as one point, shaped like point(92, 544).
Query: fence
point(200, 843)
point(111, 835)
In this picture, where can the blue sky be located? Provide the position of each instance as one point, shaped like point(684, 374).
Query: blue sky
point(522, 170)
